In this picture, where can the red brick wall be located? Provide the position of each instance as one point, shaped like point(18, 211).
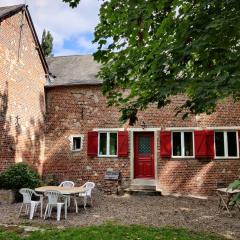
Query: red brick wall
point(72, 111)
point(22, 103)
point(77, 110)
point(196, 177)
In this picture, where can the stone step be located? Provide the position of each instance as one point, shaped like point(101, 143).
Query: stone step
point(139, 192)
point(142, 187)
point(144, 182)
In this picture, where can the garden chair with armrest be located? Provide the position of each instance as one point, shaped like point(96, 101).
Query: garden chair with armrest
point(67, 184)
point(53, 201)
point(88, 187)
point(30, 204)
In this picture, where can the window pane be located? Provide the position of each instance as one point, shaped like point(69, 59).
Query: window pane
point(219, 143)
point(188, 141)
point(177, 144)
point(103, 144)
point(76, 143)
point(113, 144)
point(144, 145)
point(232, 144)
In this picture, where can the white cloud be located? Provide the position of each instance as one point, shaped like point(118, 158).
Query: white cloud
point(64, 22)
point(85, 43)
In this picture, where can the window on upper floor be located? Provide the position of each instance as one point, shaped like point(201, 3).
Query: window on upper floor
point(182, 144)
point(226, 144)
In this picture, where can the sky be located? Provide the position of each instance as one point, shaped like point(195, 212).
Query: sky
point(72, 29)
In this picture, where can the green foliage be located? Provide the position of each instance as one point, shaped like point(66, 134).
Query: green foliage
point(234, 185)
point(72, 3)
point(236, 198)
point(18, 176)
point(112, 232)
point(153, 50)
point(47, 43)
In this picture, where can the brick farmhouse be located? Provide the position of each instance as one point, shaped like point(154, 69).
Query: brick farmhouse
point(22, 95)
point(54, 116)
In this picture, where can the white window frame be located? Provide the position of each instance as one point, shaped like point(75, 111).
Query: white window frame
point(71, 142)
point(226, 145)
point(183, 145)
point(108, 144)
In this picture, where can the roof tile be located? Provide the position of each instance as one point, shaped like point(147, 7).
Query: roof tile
point(73, 70)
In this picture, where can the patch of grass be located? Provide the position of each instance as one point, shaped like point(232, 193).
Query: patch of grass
point(8, 235)
point(113, 232)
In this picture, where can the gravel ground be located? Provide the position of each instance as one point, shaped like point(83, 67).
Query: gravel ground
point(195, 214)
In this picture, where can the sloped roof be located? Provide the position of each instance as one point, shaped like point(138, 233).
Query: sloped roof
point(9, 10)
point(73, 70)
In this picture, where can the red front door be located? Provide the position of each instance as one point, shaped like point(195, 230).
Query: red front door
point(144, 155)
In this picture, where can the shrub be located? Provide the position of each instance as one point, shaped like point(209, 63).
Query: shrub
point(236, 198)
point(18, 176)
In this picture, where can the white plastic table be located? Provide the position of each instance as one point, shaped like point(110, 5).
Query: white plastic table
point(63, 190)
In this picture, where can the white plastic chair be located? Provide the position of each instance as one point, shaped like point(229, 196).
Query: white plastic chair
point(29, 203)
point(53, 201)
point(67, 184)
point(88, 187)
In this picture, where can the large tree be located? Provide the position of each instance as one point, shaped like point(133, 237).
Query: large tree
point(47, 43)
point(151, 50)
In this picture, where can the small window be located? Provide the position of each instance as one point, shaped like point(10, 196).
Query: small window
point(107, 144)
point(226, 144)
point(182, 144)
point(76, 142)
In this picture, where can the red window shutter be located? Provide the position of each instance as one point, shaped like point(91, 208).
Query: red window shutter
point(123, 144)
point(92, 147)
point(200, 142)
point(210, 143)
point(165, 144)
point(204, 144)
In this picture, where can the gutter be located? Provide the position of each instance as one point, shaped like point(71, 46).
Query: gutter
point(38, 46)
point(73, 85)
